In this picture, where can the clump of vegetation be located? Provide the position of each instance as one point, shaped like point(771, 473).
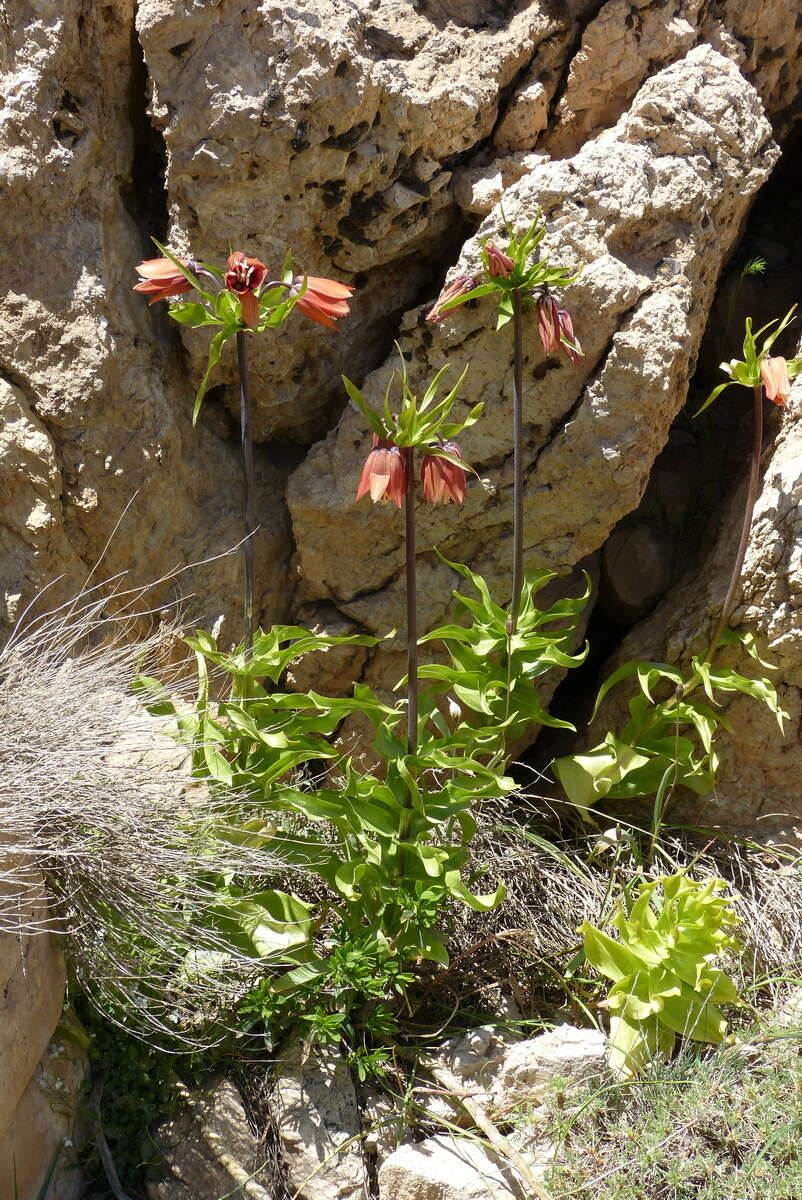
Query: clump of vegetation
point(665, 982)
point(721, 1125)
point(304, 890)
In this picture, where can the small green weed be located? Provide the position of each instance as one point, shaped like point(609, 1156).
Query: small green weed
point(720, 1126)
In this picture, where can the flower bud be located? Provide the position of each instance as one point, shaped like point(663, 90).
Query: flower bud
point(569, 343)
point(498, 263)
point(548, 327)
point(458, 287)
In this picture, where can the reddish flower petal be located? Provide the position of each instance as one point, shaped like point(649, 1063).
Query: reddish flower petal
point(314, 313)
point(333, 308)
point(249, 307)
point(328, 287)
point(160, 268)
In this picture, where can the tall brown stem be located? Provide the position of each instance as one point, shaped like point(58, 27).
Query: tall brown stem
point(247, 462)
point(412, 602)
point(518, 463)
point(751, 499)
point(412, 646)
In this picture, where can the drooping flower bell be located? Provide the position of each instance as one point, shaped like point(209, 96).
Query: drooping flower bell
point(324, 299)
point(548, 326)
point(244, 277)
point(161, 278)
point(458, 287)
point(384, 475)
point(569, 342)
point(774, 374)
point(498, 263)
point(443, 480)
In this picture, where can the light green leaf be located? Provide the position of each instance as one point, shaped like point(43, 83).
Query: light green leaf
point(215, 350)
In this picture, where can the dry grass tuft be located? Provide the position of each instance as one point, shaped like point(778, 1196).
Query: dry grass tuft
point(105, 838)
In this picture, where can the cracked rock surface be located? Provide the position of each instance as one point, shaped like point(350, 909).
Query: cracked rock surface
point(650, 210)
point(369, 135)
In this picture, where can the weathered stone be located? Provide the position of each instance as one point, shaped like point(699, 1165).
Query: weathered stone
point(628, 40)
point(385, 1127)
point(565, 1052)
point(649, 210)
point(46, 1129)
point(210, 1149)
point(526, 117)
point(95, 411)
point(638, 569)
point(318, 1125)
point(31, 996)
point(446, 1168)
point(620, 48)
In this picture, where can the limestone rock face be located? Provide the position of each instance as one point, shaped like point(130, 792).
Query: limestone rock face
point(649, 209)
point(94, 406)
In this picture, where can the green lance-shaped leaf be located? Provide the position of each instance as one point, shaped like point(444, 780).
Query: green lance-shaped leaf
point(215, 350)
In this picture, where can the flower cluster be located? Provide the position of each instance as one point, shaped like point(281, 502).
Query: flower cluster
point(322, 300)
point(242, 298)
point(512, 273)
point(384, 475)
point(422, 424)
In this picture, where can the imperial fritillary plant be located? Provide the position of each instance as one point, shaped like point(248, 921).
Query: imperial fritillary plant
point(389, 842)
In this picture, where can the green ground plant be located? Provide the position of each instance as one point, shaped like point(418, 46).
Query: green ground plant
point(665, 982)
